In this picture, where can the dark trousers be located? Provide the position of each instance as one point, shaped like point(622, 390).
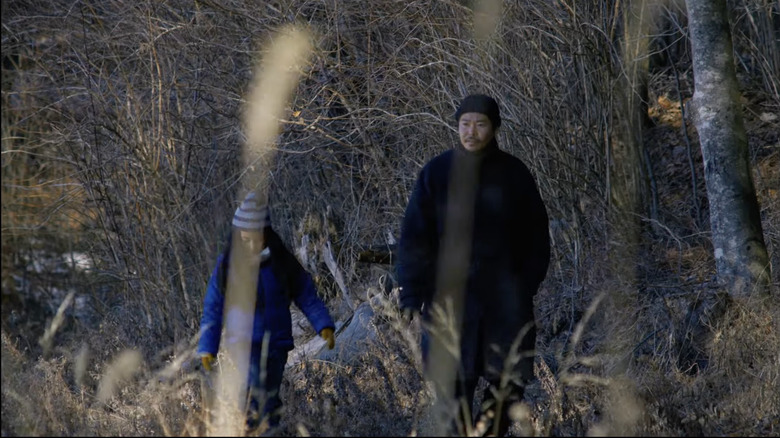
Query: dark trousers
point(265, 381)
point(465, 391)
point(494, 397)
point(473, 366)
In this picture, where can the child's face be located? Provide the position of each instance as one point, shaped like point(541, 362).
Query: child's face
point(253, 241)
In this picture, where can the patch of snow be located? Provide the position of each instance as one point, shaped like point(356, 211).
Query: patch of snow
point(308, 348)
point(80, 261)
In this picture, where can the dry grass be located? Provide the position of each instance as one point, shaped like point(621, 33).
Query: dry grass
point(122, 139)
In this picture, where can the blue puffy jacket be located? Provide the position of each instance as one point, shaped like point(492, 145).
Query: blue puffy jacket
point(272, 312)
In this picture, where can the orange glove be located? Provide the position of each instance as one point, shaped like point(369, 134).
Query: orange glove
point(327, 334)
point(207, 359)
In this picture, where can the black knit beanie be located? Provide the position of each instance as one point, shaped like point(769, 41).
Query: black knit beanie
point(479, 103)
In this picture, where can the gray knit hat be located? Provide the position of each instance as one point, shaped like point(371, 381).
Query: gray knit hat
point(252, 215)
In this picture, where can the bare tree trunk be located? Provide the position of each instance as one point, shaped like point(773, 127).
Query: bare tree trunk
point(740, 252)
point(638, 20)
point(628, 186)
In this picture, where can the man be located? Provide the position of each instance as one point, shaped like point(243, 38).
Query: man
point(476, 223)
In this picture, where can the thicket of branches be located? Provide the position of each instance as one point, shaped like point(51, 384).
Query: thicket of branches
point(122, 140)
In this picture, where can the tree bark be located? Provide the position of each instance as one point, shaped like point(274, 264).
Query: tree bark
point(740, 252)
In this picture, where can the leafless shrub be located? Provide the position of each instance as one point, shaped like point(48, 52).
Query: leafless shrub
point(122, 139)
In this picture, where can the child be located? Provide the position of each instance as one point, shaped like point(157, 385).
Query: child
point(281, 281)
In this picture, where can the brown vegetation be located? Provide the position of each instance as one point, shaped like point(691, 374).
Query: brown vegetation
point(122, 141)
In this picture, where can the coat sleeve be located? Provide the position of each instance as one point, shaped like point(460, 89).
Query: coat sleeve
point(211, 321)
point(417, 248)
point(538, 256)
point(311, 305)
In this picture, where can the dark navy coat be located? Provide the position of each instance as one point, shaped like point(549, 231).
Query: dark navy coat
point(272, 312)
point(510, 253)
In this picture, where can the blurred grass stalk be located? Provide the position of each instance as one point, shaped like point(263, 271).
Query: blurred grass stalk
point(275, 80)
point(452, 269)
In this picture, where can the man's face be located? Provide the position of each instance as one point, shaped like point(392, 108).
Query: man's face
point(475, 130)
point(253, 241)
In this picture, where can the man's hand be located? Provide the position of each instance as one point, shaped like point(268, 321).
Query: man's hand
point(327, 334)
point(207, 359)
point(407, 314)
